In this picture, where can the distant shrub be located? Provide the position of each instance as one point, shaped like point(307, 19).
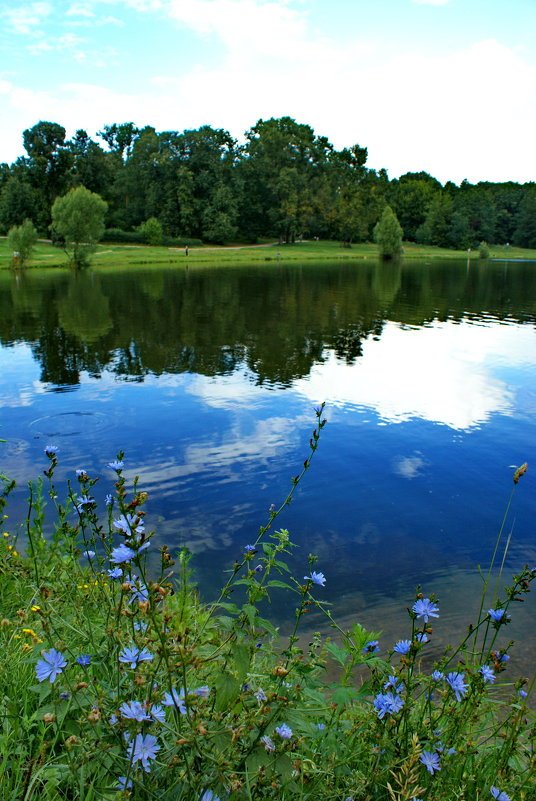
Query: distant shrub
point(122, 237)
point(483, 250)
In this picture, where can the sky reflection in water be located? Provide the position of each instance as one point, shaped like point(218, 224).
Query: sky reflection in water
point(412, 475)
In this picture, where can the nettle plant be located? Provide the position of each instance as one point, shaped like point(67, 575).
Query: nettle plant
point(118, 682)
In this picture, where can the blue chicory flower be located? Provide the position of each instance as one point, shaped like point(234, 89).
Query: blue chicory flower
point(392, 681)
point(388, 704)
point(82, 475)
point(316, 578)
point(249, 549)
point(371, 647)
point(498, 795)
point(51, 450)
point(109, 500)
point(116, 465)
point(421, 637)
point(176, 699)
point(115, 572)
point(134, 710)
point(268, 743)
point(208, 795)
point(457, 684)
point(260, 695)
point(437, 675)
point(157, 713)
point(284, 731)
point(203, 692)
point(133, 656)
point(143, 749)
point(50, 665)
point(430, 760)
point(123, 784)
point(129, 524)
point(141, 625)
point(425, 608)
point(487, 674)
point(89, 554)
point(84, 660)
point(402, 646)
point(496, 614)
point(320, 726)
point(522, 693)
point(122, 554)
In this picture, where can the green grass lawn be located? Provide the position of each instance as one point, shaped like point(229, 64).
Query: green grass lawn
point(110, 255)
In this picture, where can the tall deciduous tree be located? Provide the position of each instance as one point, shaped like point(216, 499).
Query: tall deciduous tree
point(78, 218)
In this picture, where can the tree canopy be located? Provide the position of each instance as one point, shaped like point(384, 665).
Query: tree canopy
point(284, 182)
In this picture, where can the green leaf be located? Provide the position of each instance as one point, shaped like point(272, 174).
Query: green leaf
point(250, 612)
point(267, 626)
point(242, 659)
point(227, 689)
point(339, 654)
point(282, 584)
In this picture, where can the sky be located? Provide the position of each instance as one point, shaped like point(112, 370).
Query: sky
point(444, 86)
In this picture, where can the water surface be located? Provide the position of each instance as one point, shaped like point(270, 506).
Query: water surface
point(208, 378)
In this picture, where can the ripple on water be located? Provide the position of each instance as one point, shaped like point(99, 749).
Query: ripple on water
point(71, 424)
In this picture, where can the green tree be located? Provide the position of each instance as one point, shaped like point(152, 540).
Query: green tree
point(78, 219)
point(388, 234)
point(21, 240)
point(151, 231)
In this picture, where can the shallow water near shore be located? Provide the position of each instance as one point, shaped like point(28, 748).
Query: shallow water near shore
point(208, 380)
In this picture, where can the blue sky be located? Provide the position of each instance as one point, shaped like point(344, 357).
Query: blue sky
point(446, 86)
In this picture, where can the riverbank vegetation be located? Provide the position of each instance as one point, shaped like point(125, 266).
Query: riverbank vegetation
point(118, 681)
point(112, 255)
point(284, 182)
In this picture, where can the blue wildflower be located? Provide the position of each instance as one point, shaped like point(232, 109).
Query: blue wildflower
point(388, 704)
point(208, 795)
point(109, 500)
point(65, 696)
point(139, 591)
point(89, 554)
point(421, 637)
point(402, 646)
point(371, 647)
point(392, 681)
point(134, 710)
point(50, 665)
point(268, 743)
point(522, 693)
point(430, 760)
point(250, 549)
point(487, 674)
point(437, 675)
point(457, 684)
point(203, 692)
point(114, 719)
point(116, 465)
point(122, 554)
point(140, 625)
point(82, 475)
point(260, 695)
point(115, 572)
point(425, 608)
point(497, 794)
point(84, 660)
point(175, 699)
point(143, 749)
point(157, 713)
point(496, 614)
point(129, 524)
point(316, 578)
point(133, 656)
point(284, 731)
point(123, 783)
point(51, 450)
point(320, 726)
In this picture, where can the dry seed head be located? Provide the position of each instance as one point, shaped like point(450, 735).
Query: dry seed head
point(520, 472)
point(49, 717)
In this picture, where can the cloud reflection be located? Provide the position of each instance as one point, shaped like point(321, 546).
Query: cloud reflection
point(446, 373)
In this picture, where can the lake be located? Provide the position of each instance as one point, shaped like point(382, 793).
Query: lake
point(208, 380)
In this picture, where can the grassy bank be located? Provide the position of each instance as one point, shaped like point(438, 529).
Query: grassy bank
point(117, 682)
point(109, 255)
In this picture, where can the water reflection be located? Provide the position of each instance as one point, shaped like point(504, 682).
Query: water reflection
point(208, 382)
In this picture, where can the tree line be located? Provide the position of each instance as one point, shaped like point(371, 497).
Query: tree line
point(283, 182)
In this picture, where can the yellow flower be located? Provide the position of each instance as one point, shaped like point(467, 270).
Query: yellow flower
point(30, 631)
point(35, 608)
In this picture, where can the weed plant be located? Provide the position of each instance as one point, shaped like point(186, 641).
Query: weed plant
point(118, 682)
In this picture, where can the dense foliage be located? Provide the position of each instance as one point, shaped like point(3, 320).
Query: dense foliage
point(284, 182)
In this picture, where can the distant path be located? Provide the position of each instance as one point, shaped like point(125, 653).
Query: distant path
point(235, 247)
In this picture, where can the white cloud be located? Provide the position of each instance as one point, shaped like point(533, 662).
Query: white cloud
point(78, 10)
point(26, 19)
